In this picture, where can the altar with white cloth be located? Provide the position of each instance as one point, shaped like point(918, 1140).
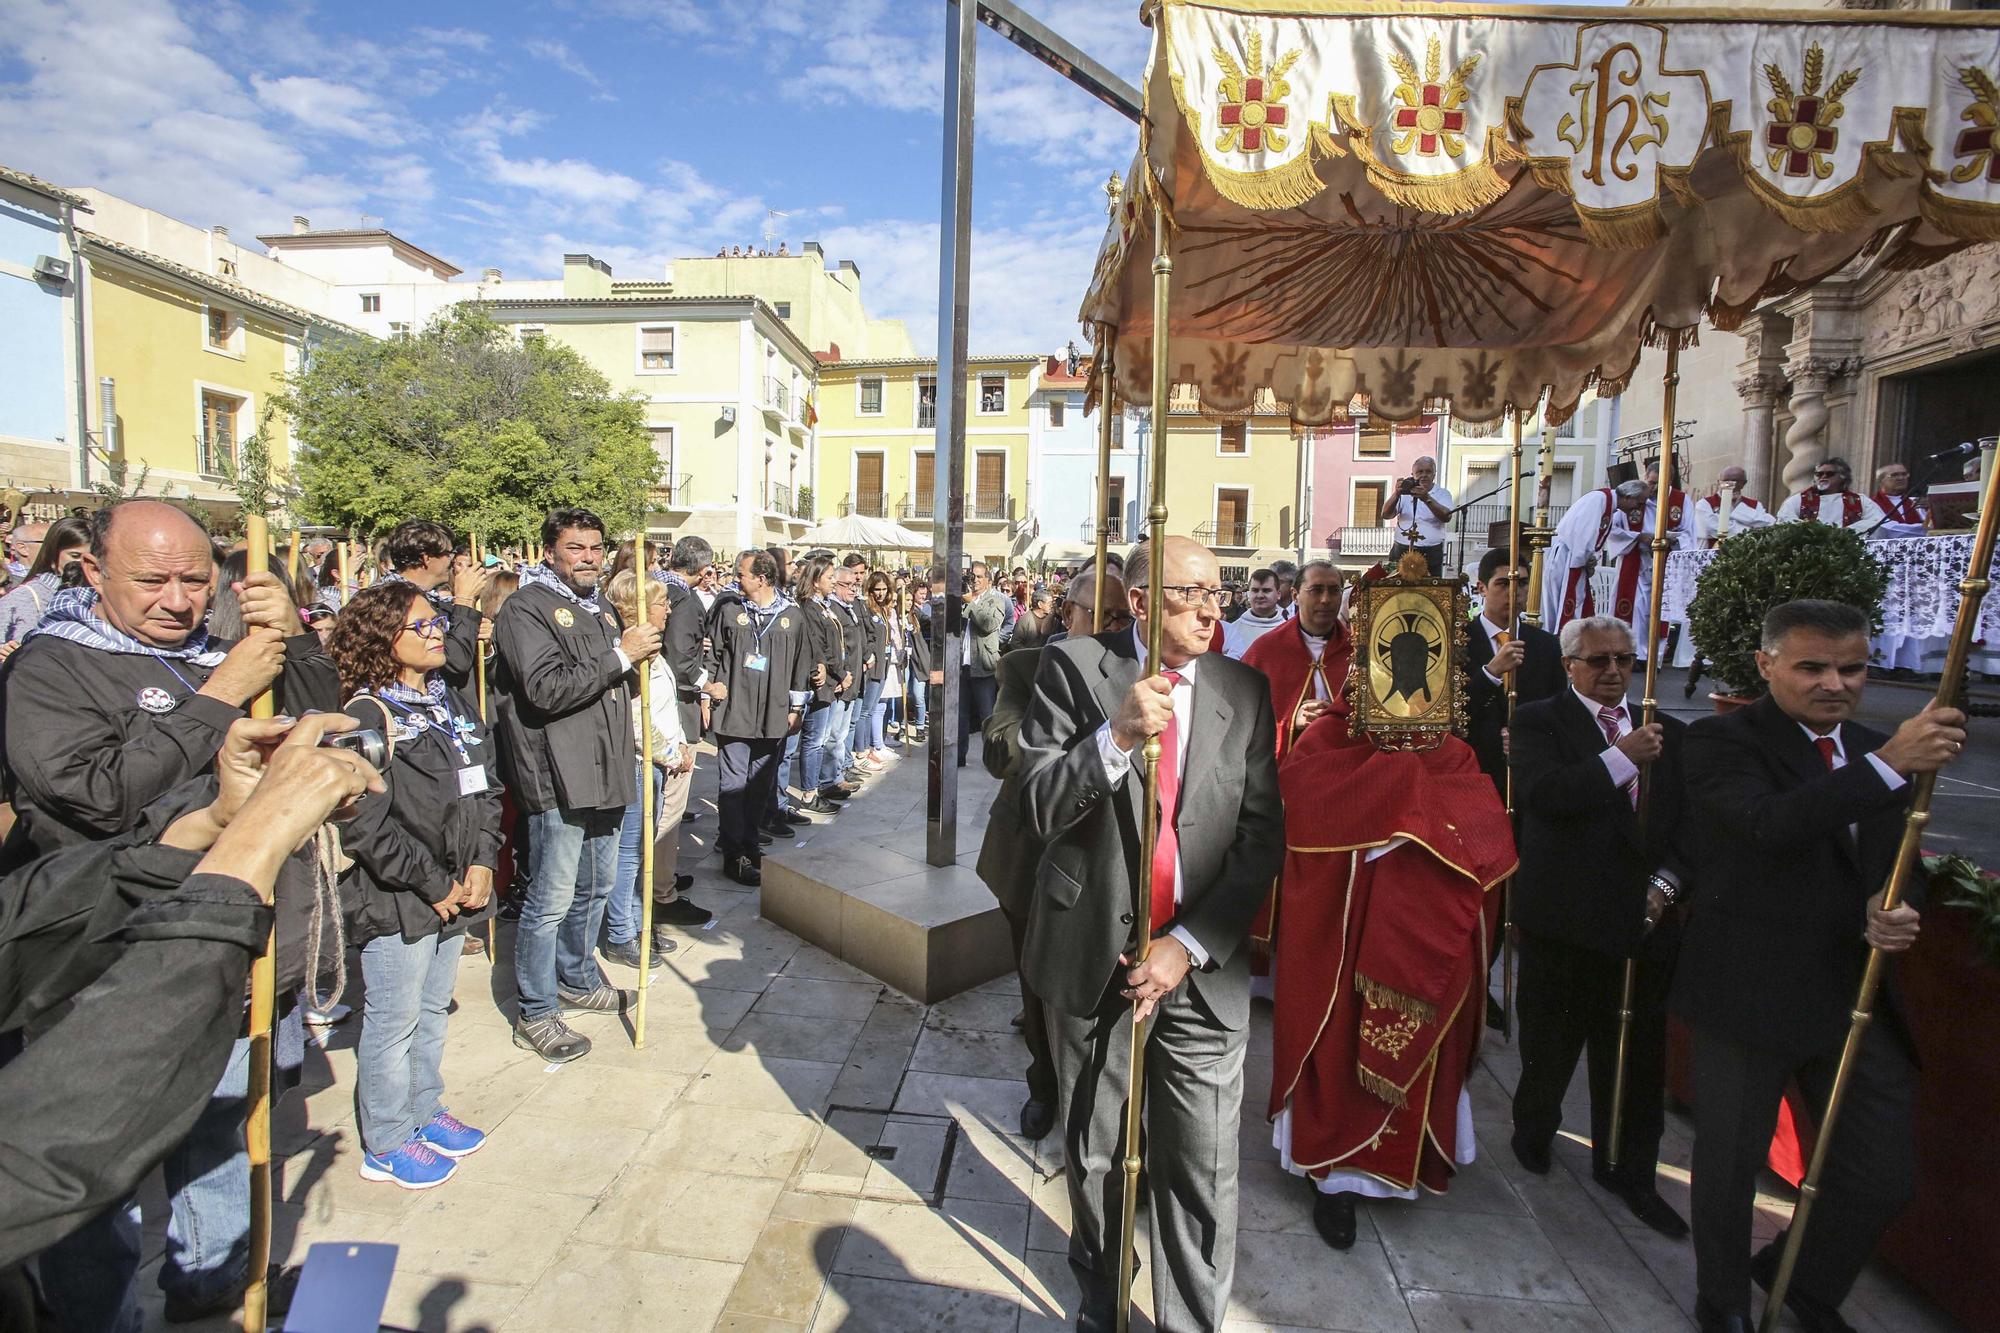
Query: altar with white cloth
point(1918, 606)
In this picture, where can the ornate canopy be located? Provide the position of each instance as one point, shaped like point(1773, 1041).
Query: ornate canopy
point(1416, 202)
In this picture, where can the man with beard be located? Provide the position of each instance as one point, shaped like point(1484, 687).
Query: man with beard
point(561, 663)
point(1606, 527)
point(1831, 500)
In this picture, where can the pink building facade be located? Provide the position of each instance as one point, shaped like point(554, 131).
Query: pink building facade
point(1353, 479)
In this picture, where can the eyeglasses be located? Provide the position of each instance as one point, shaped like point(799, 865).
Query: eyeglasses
point(1195, 593)
point(1828, 473)
point(1603, 661)
point(435, 625)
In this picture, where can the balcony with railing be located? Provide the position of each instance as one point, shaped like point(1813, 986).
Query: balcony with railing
point(781, 499)
point(1479, 518)
point(676, 493)
point(990, 509)
point(1367, 542)
point(1114, 530)
point(777, 397)
point(1228, 536)
point(869, 504)
point(917, 507)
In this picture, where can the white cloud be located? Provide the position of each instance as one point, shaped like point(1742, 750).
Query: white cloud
point(559, 54)
point(323, 106)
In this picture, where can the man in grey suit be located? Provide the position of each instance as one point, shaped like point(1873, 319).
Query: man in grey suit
point(1222, 835)
point(1007, 855)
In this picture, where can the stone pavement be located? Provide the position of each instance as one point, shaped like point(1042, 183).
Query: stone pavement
point(799, 1147)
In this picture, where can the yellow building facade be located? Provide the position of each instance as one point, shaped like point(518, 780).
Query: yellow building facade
point(878, 443)
point(1233, 483)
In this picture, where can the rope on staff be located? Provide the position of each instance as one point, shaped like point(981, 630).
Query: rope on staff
point(1648, 707)
point(1513, 696)
point(1972, 591)
point(1142, 910)
point(479, 697)
point(1106, 406)
point(645, 885)
point(263, 1005)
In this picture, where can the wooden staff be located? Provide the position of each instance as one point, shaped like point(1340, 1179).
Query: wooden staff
point(263, 1002)
point(346, 568)
point(291, 563)
point(1950, 693)
point(1149, 824)
point(1539, 534)
point(645, 799)
point(1106, 406)
point(1648, 706)
point(479, 697)
point(1513, 695)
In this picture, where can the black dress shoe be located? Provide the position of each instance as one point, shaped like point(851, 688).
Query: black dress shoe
point(764, 839)
point(1037, 1118)
point(682, 883)
point(743, 870)
point(778, 828)
point(1533, 1157)
point(1711, 1320)
point(1647, 1205)
point(1814, 1315)
point(1333, 1217)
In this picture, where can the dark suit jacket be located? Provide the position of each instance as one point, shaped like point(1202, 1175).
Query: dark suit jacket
point(1540, 677)
point(1583, 865)
point(1008, 855)
point(1774, 952)
point(1230, 823)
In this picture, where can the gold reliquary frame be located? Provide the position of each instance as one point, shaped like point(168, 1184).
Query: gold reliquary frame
point(1406, 686)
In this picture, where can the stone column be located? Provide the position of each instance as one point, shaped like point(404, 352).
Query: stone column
point(1759, 392)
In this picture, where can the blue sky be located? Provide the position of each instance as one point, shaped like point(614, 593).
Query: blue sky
point(637, 130)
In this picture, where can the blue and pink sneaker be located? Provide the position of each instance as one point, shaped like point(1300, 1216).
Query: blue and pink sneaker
point(451, 1136)
point(414, 1166)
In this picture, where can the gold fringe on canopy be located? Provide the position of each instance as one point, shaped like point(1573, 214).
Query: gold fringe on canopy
point(1377, 1086)
point(1958, 217)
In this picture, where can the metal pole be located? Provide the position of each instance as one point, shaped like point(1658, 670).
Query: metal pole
point(1107, 407)
point(1971, 592)
point(479, 696)
point(1539, 534)
point(263, 1002)
point(645, 798)
point(1149, 825)
point(1648, 707)
point(948, 454)
point(346, 568)
point(1513, 697)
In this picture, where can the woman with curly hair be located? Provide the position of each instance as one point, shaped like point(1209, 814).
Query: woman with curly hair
point(424, 853)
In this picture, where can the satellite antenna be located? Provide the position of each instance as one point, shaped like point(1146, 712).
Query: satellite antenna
point(771, 216)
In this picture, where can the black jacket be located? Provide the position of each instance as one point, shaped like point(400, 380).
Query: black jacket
point(1583, 866)
point(461, 645)
point(876, 626)
point(84, 757)
point(760, 699)
point(854, 641)
point(687, 659)
point(827, 646)
point(1774, 950)
point(411, 843)
point(1540, 677)
point(155, 959)
point(562, 703)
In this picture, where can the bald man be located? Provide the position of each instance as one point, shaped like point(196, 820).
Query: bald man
point(119, 696)
point(1083, 791)
point(1746, 513)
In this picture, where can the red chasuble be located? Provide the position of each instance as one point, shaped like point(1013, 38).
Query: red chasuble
point(1382, 964)
point(1287, 662)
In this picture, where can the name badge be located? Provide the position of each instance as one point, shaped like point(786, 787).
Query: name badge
point(472, 781)
point(757, 662)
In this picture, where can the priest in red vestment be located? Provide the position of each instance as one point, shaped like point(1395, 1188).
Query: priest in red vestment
point(1305, 659)
point(1381, 970)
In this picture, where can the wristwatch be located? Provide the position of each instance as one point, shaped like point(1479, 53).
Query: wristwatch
point(1668, 889)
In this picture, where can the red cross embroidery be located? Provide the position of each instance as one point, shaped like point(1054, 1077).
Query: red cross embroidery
point(1802, 137)
point(1429, 120)
point(1979, 142)
point(1251, 115)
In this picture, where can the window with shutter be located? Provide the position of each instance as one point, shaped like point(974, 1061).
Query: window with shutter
point(1232, 438)
point(992, 394)
point(656, 349)
point(990, 485)
point(221, 328)
point(926, 401)
point(868, 498)
point(218, 432)
point(923, 491)
point(1366, 509)
point(1232, 512)
point(871, 397)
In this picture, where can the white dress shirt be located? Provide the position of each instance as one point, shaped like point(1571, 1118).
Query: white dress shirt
point(1118, 765)
point(1616, 761)
point(1890, 777)
point(1493, 636)
point(1430, 528)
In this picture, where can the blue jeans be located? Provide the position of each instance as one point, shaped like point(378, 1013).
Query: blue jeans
point(88, 1276)
point(915, 689)
point(574, 862)
point(835, 756)
point(399, 1061)
point(812, 745)
point(621, 913)
point(867, 724)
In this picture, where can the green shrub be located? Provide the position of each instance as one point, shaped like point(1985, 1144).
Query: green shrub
point(1758, 568)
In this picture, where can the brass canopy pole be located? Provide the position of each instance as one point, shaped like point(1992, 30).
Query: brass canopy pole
point(346, 567)
point(1539, 534)
point(1149, 821)
point(645, 798)
point(1648, 705)
point(1107, 406)
point(1513, 697)
point(479, 697)
point(263, 1000)
point(1971, 592)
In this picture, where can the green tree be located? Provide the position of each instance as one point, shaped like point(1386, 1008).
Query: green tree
point(464, 425)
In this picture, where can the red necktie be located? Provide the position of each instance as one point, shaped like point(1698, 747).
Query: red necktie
point(1826, 749)
point(1609, 719)
point(1167, 845)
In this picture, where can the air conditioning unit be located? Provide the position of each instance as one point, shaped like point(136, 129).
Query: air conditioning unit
point(50, 269)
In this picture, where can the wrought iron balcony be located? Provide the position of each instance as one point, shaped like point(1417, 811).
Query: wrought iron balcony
point(1228, 536)
point(869, 504)
point(676, 492)
point(990, 509)
point(1114, 530)
point(920, 507)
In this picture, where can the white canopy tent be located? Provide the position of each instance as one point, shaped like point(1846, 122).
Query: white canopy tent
point(859, 532)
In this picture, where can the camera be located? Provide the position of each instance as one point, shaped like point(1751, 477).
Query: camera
point(367, 743)
point(1407, 486)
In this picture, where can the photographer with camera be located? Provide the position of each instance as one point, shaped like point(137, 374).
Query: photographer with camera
point(424, 853)
point(129, 957)
point(119, 696)
point(1425, 505)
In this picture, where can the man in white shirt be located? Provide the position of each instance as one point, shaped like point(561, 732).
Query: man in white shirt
point(1263, 616)
point(1744, 513)
point(1830, 500)
point(1902, 516)
point(1427, 505)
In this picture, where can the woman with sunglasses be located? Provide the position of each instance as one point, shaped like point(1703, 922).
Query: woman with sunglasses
point(424, 853)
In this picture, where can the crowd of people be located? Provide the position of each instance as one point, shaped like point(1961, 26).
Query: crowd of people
point(460, 738)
